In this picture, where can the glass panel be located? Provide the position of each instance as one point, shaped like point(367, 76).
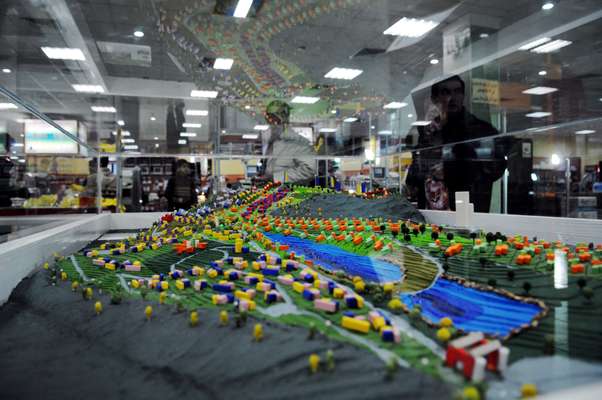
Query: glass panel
point(352, 78)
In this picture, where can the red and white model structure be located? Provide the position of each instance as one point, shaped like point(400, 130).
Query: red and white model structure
point(473, 354)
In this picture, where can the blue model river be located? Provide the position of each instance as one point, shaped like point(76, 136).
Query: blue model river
point(334, 258)
point(470, 309)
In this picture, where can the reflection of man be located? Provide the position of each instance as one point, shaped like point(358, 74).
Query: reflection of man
point(291, 154)
point(450, 164)
point(108, 180)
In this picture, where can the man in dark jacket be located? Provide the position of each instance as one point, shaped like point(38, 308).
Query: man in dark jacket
point(180, 191)
point(451, 159)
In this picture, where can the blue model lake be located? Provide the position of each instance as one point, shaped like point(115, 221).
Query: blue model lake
point(334, 258)
point(472, 310)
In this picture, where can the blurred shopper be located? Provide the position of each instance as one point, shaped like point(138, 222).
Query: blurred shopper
point(180, 191)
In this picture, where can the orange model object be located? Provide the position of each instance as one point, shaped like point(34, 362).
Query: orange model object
point(577, 268)
point(358, 240)
point(584, 257)
point(378, 245)
point(501, 250)
point(523, 259)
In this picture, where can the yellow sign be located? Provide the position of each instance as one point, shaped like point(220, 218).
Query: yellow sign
point(485, 91)
point(107, 148)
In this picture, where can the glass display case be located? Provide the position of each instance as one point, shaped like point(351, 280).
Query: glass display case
point(364, 119)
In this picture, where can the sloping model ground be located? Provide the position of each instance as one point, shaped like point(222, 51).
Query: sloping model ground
point(53, 346)
point(342, 205)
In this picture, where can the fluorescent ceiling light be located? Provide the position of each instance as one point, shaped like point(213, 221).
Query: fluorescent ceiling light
point(542, 73)
point(555, 159)
point(585, 132)
point(242, 8)
point(131, 147)
point(64, 53)
point(540, 90)
point(103, 109)
point(121, 122)
point(7, 106)
point(343, 73)
point(153, 118)
point(261, 127)
point(139, 34)
point(156, 145)
point(251, 136)
point(411, 27)
point(305, 100)
point(350, 119)
point(156, 138)
point(552, 46)
point(123, 133)
point(197, 113)
point(385, 133)
point(534, 43)
point(6, 70)
point(395, 105)
point(538, 114)
point(210, 94)
point(547, 6)
point(421, 123)
point(182, 141)
point(128, 140)
point(333, 111)
point(191, 125)
point(328, 130)
point(223, 63)
point(18, 145)
point(187, 134)
point(434, 61)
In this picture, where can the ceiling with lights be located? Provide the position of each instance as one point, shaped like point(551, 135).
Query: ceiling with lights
point(334, 62)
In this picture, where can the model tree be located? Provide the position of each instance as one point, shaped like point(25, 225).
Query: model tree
point(588, 293)
point(581, 282)
point(527, 287)
point(510, 275)
point(450, 236)
point(434, 235)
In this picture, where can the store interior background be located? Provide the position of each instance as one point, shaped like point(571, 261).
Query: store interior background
point(145, 58)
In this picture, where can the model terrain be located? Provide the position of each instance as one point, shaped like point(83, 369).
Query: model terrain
point(330, 289)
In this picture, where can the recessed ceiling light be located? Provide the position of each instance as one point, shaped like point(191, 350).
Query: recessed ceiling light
point(223, 131)
point(191, 125)
point(187, 134)
point(538, 114)
point(153, 118)
point(542, 73)
point(7, 106)
point(197, 113)
point(182, 141)
point(305, 100)
point(130, 147)
point(547, 5)
point(394, 105)
point(585, 132)
point(350, 119)
point(250, 136)
point(421, 123)
point(411, 27)
point(223, 63)
point(385, 133)
point(156, 145)
point(335, 111)
point(123, 133)
point(121, 122)
point(261, 127)
point(540, 90)
point(64, 53)
point(156, 138)
point(534, 43)
point(343, 73)
point(103, 109)
point(247, 107)
point(210, 94)
point(328, 130)
point(552, 46)
point(484, 35)
point(88, 88)
point(434, 61)
point(555, 159)
point(410, 115)
point(139, 34)
point(6, 70)
point(128, 140)
point(242, 8)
